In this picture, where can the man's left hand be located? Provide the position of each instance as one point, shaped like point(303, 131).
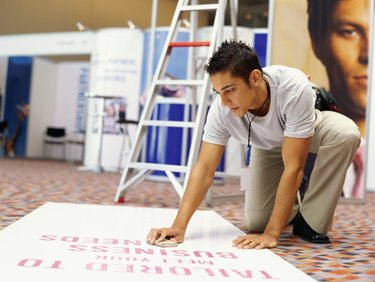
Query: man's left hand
point(255, 241)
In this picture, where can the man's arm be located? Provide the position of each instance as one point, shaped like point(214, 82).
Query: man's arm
point(294, 153)
point(199, 182)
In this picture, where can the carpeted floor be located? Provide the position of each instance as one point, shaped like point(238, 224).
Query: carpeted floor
point(27, 184)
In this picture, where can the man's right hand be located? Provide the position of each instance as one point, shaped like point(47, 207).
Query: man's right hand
point(171, 233)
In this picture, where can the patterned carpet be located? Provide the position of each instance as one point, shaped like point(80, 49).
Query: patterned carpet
point(27, 184)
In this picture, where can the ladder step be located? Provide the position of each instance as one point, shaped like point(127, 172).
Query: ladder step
point(203, 7)
point(187, 82)
point(168, 123)
point(189, 43)
point(158, 167)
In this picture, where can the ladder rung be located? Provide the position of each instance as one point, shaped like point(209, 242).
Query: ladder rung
point(189, 44)
point(158, 167)
point(168, 123)
point(186, 82)
point(202, 7)
point(171, 100)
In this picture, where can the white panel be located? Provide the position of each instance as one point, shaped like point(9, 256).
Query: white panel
point(42, 104)
point(111, 153)
point(67, 89)
point(59, 43)
point(71, 242)
point(67, 93)
point(93, 136)
point(116, 62)
point(115, 71)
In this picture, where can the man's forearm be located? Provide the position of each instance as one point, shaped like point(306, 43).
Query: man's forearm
point(285, 198)
point(199, 183)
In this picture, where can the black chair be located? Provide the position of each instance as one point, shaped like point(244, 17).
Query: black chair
point(52, 137)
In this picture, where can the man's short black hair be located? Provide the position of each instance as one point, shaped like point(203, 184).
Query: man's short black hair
point(238, 58)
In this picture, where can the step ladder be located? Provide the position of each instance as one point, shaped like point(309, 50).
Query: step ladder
point(135, 171)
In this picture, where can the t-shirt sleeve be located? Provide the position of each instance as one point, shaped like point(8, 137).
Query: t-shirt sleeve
point(215, 129)
point(300, 114)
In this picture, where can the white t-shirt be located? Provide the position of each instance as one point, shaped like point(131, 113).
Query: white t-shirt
point(291, 113)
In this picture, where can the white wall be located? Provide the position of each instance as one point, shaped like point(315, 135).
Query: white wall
point(53, 102)
point(115, 71)
point(42, 104)
point(67, 88)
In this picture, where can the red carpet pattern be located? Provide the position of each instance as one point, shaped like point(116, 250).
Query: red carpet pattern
point(27, 184)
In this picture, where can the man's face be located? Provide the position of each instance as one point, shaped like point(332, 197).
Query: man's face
point(346, 59)
point(235, 93)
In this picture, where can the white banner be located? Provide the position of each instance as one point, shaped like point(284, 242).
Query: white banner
point(115, 72)
point(116, 62)
point(71, 242)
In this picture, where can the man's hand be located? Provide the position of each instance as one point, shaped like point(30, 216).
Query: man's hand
point(171, 233)
point(255, 241)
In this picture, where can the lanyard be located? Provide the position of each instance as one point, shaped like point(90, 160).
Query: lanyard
point(248, 149)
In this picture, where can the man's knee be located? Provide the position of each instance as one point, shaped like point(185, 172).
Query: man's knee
point(348, 133)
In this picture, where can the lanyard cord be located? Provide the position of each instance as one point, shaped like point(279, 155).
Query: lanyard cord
point(248, 150)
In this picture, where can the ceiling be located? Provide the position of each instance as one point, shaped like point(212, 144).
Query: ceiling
point(34, 16)
point(41, 16)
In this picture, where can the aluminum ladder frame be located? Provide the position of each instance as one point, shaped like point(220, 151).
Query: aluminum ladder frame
point(129, 177)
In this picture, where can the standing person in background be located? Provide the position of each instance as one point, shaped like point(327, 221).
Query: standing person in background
point(339, 31)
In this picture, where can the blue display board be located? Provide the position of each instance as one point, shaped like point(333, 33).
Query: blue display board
point(17, 99)
point(164, 144)
point(260, 45)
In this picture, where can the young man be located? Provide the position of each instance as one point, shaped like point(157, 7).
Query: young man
point(273, 110)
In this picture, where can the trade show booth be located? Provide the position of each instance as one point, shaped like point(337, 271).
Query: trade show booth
point(88, 98)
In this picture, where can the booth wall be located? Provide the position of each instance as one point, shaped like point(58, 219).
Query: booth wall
point(54, 94)
point(67, 90)
point(42, 104)
point(115, 73)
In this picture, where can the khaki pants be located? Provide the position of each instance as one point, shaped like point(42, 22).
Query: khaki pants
point(335, 141)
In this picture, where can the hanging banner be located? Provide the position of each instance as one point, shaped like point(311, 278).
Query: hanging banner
point(116, 62)
point(329, 41)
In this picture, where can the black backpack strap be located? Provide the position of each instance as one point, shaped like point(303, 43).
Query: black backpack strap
point(324, 100)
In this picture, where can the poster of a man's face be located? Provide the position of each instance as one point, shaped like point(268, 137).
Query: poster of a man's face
point(339, 32)
point(329, 41)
